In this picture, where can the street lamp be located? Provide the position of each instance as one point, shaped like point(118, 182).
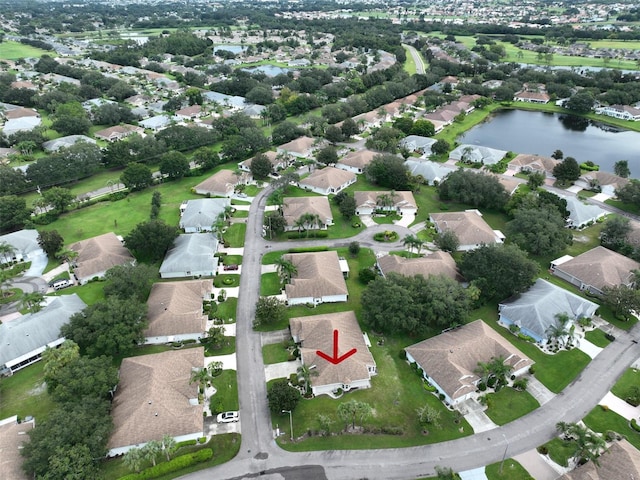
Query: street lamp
point(504, 455)
point(290, 422)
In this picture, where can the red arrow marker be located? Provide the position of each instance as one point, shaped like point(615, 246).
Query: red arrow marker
point(335, 359)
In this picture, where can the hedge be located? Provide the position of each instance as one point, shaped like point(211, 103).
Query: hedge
point(591, 168)
point(313, 234)
point(178, 463)
point(634, 425)
point(308, 249)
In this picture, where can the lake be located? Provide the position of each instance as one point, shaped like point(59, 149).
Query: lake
point(542, 133)
point(268, 70)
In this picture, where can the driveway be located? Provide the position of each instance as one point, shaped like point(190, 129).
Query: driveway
point(621, 407)
point(538, 391)
point(406, 220)
point(474, 414)
point(228, 361)
point(537, 467)
point(589, 348)
point(281, 370)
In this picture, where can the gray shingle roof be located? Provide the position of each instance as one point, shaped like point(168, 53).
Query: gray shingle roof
point(429, 170)
point(203, 212)
point(191, 253)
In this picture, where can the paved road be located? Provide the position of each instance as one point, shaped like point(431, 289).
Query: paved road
point(417, 58)
point(260, 456)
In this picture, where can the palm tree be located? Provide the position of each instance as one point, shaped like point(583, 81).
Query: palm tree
point(558, 331)
point(31, 301)
point(483, 370)
point(500, 369)
point(587, 444)
point(7, 252)
point(299, 224)
point(306, 372)
point(133, 459)
point(168, 446)
point(201, 376)
point(151, 451)
point(286, 269)
point(410, 241)
point(310, 221)
point(385, 199)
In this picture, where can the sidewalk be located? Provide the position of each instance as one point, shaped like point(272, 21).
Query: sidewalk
point(619, 406)
point(537, 467)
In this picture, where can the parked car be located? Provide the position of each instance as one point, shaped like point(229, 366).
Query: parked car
point(228, 417)
point(60, 284)
point(231, 267)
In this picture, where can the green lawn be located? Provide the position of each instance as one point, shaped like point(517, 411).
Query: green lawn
point(10, 50)
point(235, 235)
point(597, 337)
point(630, 378)
point(560, 451)
point(241, 214)
point(274, 353)
point(509, 404)
point(227, 309)
point(409, 64)
point(511, 470)
point(227, 348)
point(24, 393)
point(270, 284)
point(554, 371)
point(226, 281)
point(602, 421)
point(627, 207)
point(90, 293)
point(395, 395)
point(386, 219)
point(226, 396)
point(231, 259)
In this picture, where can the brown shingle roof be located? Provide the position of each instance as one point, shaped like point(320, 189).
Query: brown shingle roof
point(294, 207)
point(318, 275)
point(401, 199)
point(328, 177)
point(12, 435)
point(534, 162)
point(176, 307)
point(220, 183)
point(621, 461)
point(600, 267)
point(98, 254)
point(468, 226)
point(300, 145)
point(436, 263)
point(316, 333)
point(153, 398)
point(359, 158)
point(452, 357)
point(118, 131)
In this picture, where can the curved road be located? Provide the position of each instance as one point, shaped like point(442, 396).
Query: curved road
point(259, 454)
point(417, 59)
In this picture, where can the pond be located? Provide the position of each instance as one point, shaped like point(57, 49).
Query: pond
point(235, 49)
point(268, 70)
point(542, 133)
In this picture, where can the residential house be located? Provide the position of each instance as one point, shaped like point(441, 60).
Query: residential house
point(532, 94)
point(400, 202)
point(220, 184)
point(157, 123)
point(417, 143)
point(449, 361)
point(278, 161)
point(118, 132)
point(94, 103)
point(623, 112)
point(23, 124)
point(5, 153)
point(138, 100)
point(98, 254)
point(12, 436)
point(620, 461)
point(535, 310)
point(433, 263)
point(534, 163)
point(442, 116)
point(25, 245)
point(476, 154)
point(189, 113)
point(319, 278)
point(596, 269)
point(25, 338)
point(200, 215)
point(300, 147)
point(368, 120)
point(294, 207)
point(469, 226)
point(582, 214)
point(253, 111)
point(175, 311)
point(355, 162)
point(432, 172)
point(155, 397)
point(192, 255)
point(328, 180)
point(608, 182)
point(315, 333)
point(66, 142)
point(20, 112)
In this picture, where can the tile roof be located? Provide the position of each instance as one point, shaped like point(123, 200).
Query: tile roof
point(220, 183)
point(175, 308)
point(300, 145)
point(99, 254)
point(316, 333)
point(203, 212)
point(358, 159)
point(537, 163)
point(318, 275)
point(154, 397)
point(451, 358)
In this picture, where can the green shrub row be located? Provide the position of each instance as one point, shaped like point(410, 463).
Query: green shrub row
point(313, 234)
point(185, 443)
point(589, 166)
point(308, 249)
point(178, 463)
point(635, 425)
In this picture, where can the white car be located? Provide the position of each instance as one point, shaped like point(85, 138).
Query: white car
point(228, 417)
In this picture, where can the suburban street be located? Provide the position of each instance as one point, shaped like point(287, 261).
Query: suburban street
point(417, 59)
point(260, 456)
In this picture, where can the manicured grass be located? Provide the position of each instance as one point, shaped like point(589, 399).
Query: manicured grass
point(602, 421)
point(235, 235)
point(227, 309)
point(409, 64)
point(228, 347)
point(386, 219)
point(24, 393)
point(226, 396)
point(511, 470)
point(453, 131)
point(627, 207)
point(274, 353)
point(560, 451)
point(554, 371)
point(271, 257)
point(597, 337)
point(395, 395)
point(429, 202)
point(270, 284)
point(90, 293)
point(630, 378)
point(231, 259)
point(509, 404)
point(10, 50)
point(241, 214)
point(51, 264)
point(226, 281)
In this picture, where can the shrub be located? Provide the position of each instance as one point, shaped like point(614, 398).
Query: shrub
point(482, 386)
point(542, 450)
point(213, 306)
point(293, 379)
point(202, 439)
point(589, 166)
point(307, 249)
point(185, 443)
point(312, 234)
point(609, 337)
point(605, 408)
point(635, 425)
point(178, 463)
point(633, 401)
point(429, 388)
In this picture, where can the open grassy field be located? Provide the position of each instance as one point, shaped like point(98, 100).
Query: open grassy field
point(24, 393)
point(10, 50)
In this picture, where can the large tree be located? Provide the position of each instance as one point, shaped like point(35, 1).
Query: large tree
point(539, 231)
point(59, 198)
point(499, 271)
point(614, 232)
point(327, 155)
point(174, 165)
point(476, 189)
point(149, 241)
point(50, 241)
point(285, 132)
point(111, 327)
point(388, 171)
point(621, 168)
point(630, 193)
point(282, 396)
point(12, 180)
point(261, 166)
point(270, 310)
point(83, 378)
point(623, 300)
point(13, 213)
point(130, 281)
point(136, 177)
point(567, 171)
